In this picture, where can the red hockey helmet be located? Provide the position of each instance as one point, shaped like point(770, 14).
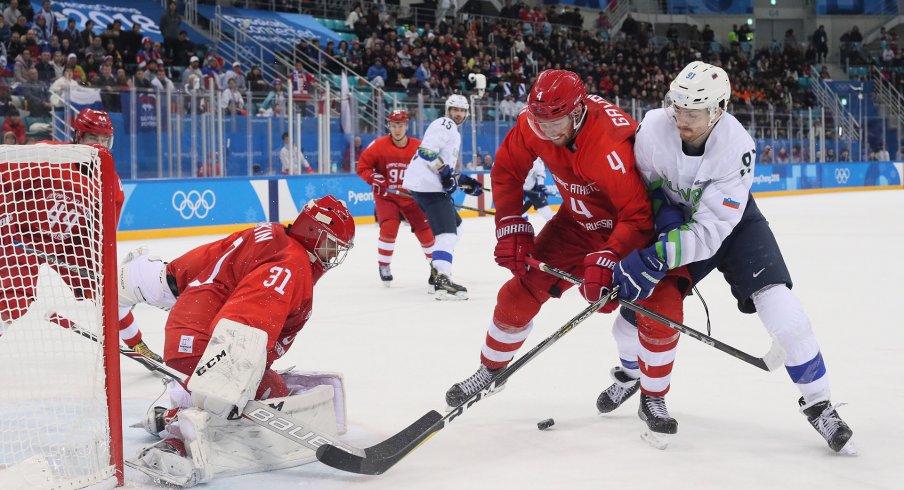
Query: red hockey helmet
point(398, 115)
point(555, 104)
point(93, 127)
point(326, 230)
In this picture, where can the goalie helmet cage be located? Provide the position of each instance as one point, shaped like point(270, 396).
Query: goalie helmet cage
point(60, 405)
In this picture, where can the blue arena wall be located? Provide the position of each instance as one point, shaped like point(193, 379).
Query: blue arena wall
point(162, 208)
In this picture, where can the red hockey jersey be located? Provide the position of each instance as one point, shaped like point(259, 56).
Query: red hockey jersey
point(46, 217)
point(596, 178)
point(260, 277)
point(384, 157)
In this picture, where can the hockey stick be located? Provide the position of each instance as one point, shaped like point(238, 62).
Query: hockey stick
point(54, 260)
point(459, 206)
point(771, 361)
point(382, 456)
point(261, 414)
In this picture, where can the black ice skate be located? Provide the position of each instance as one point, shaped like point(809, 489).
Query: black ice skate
point(623, 388)
point(386, 275)
point(828, 423)
point(460, 392)
point(431, 280)
point(659, 424)
point(446, 290)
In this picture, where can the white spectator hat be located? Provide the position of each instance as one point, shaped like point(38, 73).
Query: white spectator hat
point(72, 55)
point(236, 63)
point(194, 59)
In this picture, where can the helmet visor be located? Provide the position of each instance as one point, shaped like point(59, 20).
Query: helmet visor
point(551, 129)
point(97, 139)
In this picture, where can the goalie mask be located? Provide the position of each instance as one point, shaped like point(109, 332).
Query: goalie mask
point(326, 230)
point(93, 127)
point(555, 107)
point(699, 86)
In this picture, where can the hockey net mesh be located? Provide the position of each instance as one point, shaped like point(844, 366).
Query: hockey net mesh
point(54, 430)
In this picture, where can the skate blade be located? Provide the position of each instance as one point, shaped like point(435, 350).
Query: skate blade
point(430, 289)
point(387, 284)
point(489, 394)
point(655, 439)
point(445, 296)
point(849, 449)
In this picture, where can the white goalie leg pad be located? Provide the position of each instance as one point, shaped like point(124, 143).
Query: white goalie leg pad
point(166, 466)
point(231, 368)
point(301, 382)
point(142, 279)
point(221, 447)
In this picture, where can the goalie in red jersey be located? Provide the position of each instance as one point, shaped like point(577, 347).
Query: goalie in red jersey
point(237, 305)
point(382, 165)
point(587, 144)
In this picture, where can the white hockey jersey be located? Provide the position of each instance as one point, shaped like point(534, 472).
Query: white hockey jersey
point(441, 141)
point(537, 175)
point(712, 188)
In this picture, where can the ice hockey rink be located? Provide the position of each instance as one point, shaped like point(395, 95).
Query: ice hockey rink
point(739, 427)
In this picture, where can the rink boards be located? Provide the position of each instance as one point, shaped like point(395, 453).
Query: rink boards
point(185, 207)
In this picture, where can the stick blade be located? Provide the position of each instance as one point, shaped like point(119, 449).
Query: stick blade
point(775, 358)
point(384, 455)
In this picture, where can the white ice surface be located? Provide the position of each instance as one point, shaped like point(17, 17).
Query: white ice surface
point(739, 427)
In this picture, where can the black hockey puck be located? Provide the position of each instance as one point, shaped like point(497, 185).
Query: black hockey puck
point(545, 424)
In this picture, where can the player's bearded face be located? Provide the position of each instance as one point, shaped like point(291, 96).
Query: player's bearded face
point(692, 124)
point(557, 131)
point(458, 114)
point(398, 130)
point(97, 139)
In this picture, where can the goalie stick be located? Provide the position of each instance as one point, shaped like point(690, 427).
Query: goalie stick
point(260, 413)
point(384, 455)
point(771, 361)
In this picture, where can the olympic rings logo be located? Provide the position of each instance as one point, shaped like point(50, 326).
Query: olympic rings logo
point(194, 204)
point(842, 175)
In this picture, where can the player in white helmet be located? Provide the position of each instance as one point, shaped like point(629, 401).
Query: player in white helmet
point(697, 160)
point(431, 179)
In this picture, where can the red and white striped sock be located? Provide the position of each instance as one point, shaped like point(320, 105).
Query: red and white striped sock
point(501, 344)
point(385, 248)
point(128, 330)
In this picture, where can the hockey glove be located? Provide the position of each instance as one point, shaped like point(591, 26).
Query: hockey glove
point(469, 185)
point(668, 216)
point(378, 183)
point(541, 191)
point(638, 273)
point(515, 241)
point(598, 267)
point(447, 179)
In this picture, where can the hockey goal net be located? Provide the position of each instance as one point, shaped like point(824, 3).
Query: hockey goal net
point(60, 420)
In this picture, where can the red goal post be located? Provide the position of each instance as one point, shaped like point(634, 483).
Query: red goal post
point(60, 402)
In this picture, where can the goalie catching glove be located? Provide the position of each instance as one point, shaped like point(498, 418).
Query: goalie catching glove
point(230, 370)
